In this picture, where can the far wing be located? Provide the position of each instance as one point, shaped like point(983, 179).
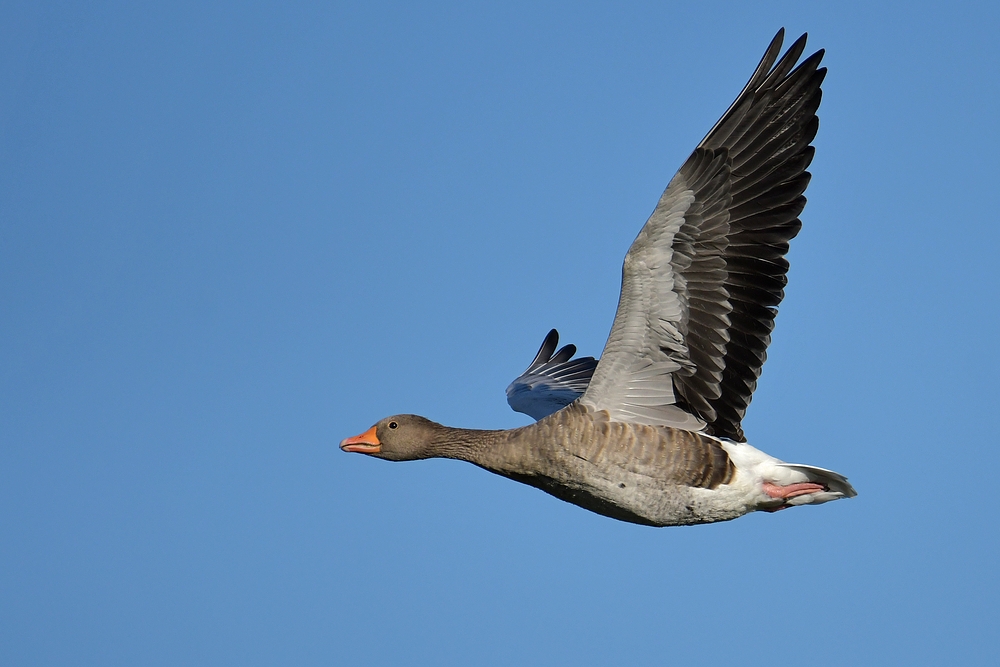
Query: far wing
point(552, 381)
point(701, 282)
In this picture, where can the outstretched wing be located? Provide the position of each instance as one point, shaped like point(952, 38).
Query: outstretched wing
point(701, 282)
point(552, 381)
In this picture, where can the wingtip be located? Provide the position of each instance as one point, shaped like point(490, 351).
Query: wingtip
point(563, 355)
point(546, 350)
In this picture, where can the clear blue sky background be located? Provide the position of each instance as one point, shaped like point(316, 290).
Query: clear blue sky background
point(232, 235)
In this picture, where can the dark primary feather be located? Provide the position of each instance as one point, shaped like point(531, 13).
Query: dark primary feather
point(766, 135)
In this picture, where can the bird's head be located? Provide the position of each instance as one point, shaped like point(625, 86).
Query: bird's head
point(396, 438)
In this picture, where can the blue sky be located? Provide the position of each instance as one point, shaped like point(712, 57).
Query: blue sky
point(232, 235)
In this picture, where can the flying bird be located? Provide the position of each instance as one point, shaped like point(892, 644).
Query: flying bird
point(651, 433)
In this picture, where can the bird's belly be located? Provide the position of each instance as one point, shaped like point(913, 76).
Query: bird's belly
point(640, 499)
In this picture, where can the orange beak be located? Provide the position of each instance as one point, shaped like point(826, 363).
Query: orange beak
point(366, 443)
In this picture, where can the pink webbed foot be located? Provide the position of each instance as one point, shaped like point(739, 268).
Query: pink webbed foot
point(792, 490)
point(785, 493)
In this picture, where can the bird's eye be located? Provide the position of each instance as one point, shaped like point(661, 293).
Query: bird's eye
point(393, 424)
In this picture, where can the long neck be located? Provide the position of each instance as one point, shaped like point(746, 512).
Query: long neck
point(464, 444)
point(502, 451)
point(513, 452)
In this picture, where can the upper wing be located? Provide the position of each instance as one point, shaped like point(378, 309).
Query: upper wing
point(552, 381)
point(701, 282)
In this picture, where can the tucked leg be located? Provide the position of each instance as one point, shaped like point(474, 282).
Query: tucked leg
point(792, 490)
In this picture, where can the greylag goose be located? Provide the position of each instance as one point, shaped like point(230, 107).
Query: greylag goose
point(652, 433)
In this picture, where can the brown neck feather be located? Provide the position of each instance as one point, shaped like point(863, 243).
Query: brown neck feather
point(464, 444)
